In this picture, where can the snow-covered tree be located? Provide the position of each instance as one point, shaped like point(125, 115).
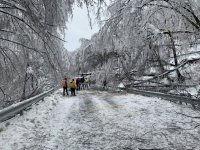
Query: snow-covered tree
point(32, 55)
point(145, 35)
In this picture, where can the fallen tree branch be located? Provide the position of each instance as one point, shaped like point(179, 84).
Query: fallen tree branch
point(194, 117)
point(167, 72)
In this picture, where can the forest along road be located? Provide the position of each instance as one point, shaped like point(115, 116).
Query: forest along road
point(102, 121)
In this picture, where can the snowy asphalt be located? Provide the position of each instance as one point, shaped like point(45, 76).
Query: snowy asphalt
point(96, 120)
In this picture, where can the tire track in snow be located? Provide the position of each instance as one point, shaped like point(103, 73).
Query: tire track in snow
point(96, 124)
point(84, 125)
point(118, 134)
point(108, 99)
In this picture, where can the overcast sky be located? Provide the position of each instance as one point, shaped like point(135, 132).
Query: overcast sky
point(78, 28)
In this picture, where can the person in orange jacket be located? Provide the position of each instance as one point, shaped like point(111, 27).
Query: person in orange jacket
point(64, 84)
point(72, 86)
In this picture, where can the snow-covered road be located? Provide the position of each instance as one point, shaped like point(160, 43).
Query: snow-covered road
point(102, 121)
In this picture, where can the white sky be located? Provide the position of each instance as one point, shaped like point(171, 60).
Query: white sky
point(78, 28)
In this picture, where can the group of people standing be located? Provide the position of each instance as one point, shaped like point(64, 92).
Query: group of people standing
point(81, 83)
point(72, 86)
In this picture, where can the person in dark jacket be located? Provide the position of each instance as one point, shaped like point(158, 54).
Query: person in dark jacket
point(105, 84)
point(83, 82)
point(78, 82)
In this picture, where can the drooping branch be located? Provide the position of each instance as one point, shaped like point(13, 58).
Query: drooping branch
point(17, 43)
point(165, 73)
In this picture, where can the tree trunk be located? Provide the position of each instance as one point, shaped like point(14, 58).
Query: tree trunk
point(180, 77)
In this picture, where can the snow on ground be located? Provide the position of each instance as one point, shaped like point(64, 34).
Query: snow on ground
point(38, 127)
point(151, 123)
point(100, 120)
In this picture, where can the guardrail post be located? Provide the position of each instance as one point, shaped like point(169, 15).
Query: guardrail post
point(198, 105)
point(180, 102)
point(193, 105)
point(21, 112)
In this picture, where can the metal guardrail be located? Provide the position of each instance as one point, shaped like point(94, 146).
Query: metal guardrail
point(18, 108)
point(173, 98)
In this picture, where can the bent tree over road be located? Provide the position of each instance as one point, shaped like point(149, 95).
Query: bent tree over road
point(101, 120)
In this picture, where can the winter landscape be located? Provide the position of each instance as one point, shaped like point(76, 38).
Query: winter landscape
point(134, 85)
